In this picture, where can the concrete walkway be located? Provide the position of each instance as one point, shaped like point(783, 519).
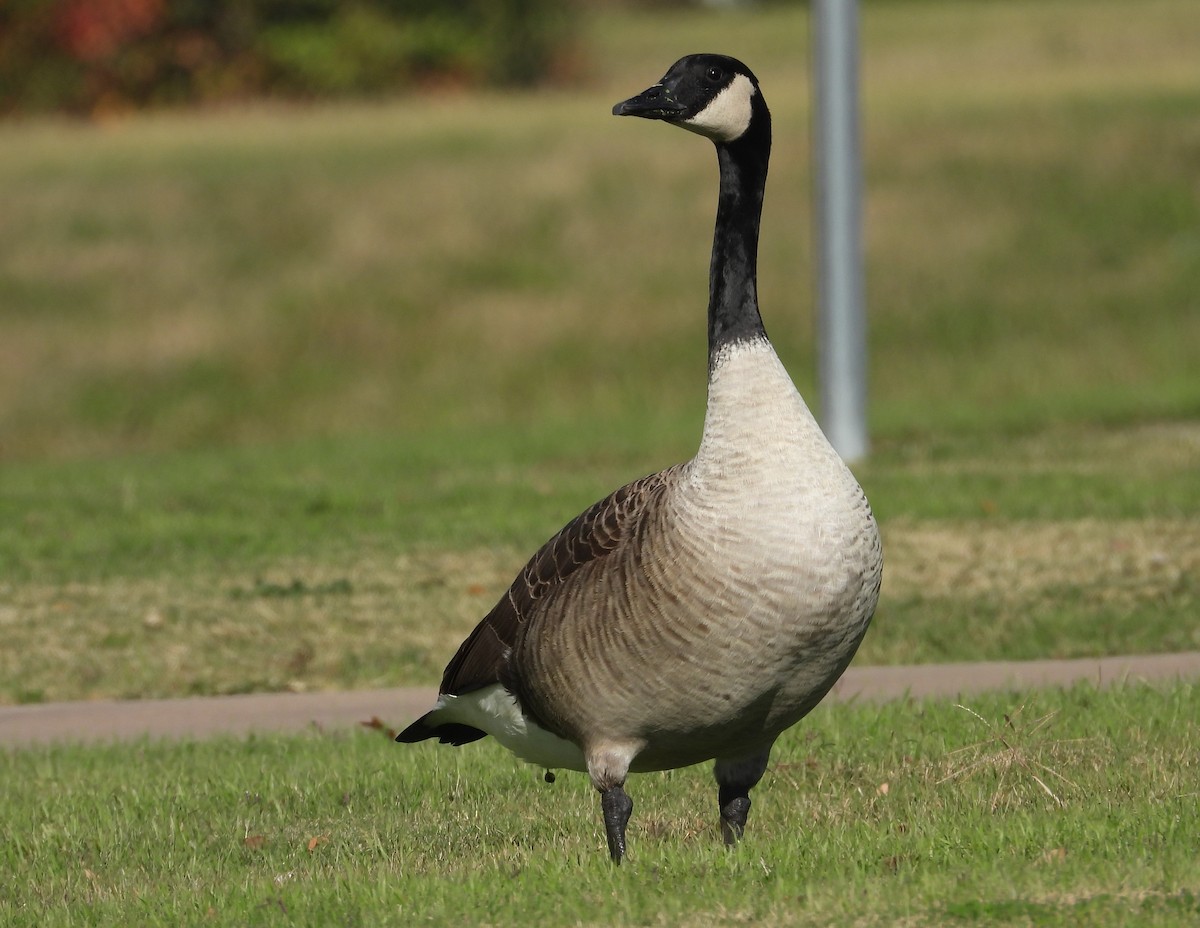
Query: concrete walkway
point(115, 720)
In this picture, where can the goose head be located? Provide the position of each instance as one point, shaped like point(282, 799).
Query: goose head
point(713, 95)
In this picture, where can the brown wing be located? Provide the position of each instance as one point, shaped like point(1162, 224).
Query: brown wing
point(596, 532)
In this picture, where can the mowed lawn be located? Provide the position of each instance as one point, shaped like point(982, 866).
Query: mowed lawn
point(1062, 808)
point(287, 394)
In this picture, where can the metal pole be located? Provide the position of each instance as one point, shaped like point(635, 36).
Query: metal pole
point(841, 319)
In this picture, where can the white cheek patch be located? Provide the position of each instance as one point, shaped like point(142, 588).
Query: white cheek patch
point(727, 116)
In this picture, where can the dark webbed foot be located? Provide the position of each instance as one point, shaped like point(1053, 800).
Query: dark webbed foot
point(735, 807)
point(617, 808)
point(736, 776)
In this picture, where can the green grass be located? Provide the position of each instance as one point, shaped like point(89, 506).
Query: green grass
point(352, 565)
point(1047, 809)
point(286, 395)
point(266, 275)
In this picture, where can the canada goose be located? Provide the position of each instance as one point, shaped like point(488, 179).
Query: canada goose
point(696, 613)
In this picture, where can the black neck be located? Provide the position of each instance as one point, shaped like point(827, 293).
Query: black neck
point(733, 288)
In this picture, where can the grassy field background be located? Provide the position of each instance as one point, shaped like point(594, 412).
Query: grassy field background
point(1063, 809)
point(287, 394)
point(268, 275)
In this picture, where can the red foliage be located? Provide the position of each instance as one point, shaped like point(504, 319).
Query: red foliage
point(94, 30)
point(100, 57)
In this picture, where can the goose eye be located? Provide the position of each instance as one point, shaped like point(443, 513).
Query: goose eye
point(713, 75)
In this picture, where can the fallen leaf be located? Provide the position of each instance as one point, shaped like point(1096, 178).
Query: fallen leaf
point(315, 841)
point(377, 724)
point(254, 842)
point(883, 788)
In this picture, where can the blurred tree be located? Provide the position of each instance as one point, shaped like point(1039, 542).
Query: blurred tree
point(93, 56)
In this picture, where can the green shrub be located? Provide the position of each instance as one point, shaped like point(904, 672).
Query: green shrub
point(88, 56)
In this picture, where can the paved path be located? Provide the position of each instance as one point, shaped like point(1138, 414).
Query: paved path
point(109, 720)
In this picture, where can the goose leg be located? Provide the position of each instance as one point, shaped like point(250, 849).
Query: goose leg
point(617, 808)
point(735, 778)
point(735, 809)
point(608, 765)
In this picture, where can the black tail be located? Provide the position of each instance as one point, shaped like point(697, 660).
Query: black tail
point(454, 733)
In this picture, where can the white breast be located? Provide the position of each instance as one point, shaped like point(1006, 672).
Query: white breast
point(760, 440)
point(770, 496)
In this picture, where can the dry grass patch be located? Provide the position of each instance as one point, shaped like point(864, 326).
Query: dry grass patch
point(299, 625)
point(1018, 753)
point(956, 591)
point(1127, 562)
point(1146, 449)
point(385, 620)
point(1001, 53)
